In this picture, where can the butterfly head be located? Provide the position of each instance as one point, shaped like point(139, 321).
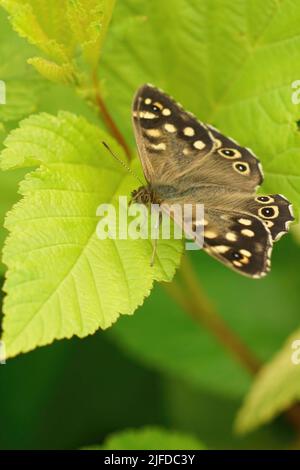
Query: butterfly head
point(144, 195)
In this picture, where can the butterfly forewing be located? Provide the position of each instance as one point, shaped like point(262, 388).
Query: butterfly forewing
point(171, 142)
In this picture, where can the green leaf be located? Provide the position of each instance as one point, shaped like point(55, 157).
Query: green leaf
point(21, 99)
point(149, 438)
point(275, 389)
point(25, 18)
point(231, 63)
point(62, 280)
point(89, 21)
point(22, 88)
point(9, 195)
point(296, 232)
point(21, 84)
point(72, 24)
point(51, 71)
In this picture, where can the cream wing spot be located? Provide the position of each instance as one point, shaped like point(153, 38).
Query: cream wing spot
point(268, 223)
point(158, 105)
point(147, 115)
point(161, 146)
point(231, 236)
point(170, 128)
point(238, 264)
point(221, 248)
point(245, 253)
point(166, 112)
point(189, 131)
point(210, 234)
point(247, 233)
point(199, 144)
point(243, 221)
point(153, 132)
point(148, 101)
point(217, 143)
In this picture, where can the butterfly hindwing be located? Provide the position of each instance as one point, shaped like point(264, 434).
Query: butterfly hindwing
point(274, 210)
point(239, 240)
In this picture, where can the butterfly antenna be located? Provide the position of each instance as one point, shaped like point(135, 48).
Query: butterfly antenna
point(123, 163)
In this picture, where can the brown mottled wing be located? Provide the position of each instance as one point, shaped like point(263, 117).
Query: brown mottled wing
point(238, 167)
point(171, 142)
point(274, 210)
point(240, 241)
point(174, 146)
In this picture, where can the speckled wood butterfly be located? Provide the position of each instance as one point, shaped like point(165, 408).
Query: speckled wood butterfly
point(186, 161)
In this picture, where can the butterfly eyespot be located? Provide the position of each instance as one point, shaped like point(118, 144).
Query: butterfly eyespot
point(264, 199)
point(154, 108)
point(270, 212)
point(229, 153)
point(235, 255)
point(242, 168)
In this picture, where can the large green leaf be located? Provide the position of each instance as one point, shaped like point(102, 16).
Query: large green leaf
point(22, 96)
point(9, 185)
point(151, 438)
point(275, 389)
point(62, 280)
point(231, 63)
point(21, 82)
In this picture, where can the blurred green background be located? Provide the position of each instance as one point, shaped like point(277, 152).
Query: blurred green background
point(159, 367)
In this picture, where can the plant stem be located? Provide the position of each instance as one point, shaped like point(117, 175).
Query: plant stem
point(192, 299)
point(107, 118)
